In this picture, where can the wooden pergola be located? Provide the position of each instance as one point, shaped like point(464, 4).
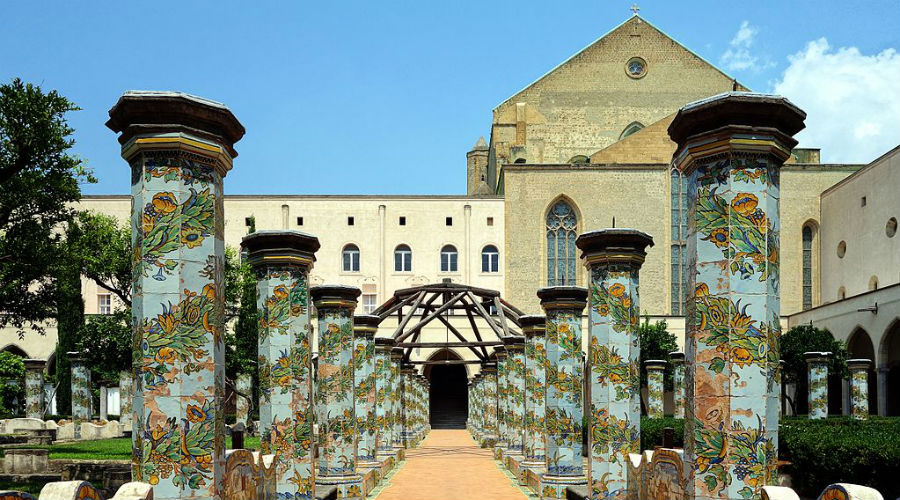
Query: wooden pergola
point(417, 307)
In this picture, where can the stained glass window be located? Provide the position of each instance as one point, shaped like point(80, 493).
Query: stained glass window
point(561, 233)
point(807, 267)
point(679, 210)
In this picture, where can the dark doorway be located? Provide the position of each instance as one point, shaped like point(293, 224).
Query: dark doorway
point(449, 395)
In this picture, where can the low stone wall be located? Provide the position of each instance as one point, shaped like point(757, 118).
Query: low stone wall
point(64, 430)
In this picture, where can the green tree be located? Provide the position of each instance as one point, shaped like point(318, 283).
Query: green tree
point(105, 342)
point(807, 338)
point(69, 315)
point(39, 181)
point(12, 384)
point(240, 307)
point(656, 343)
point(103, 248)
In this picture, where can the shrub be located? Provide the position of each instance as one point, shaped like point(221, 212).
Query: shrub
point(652, 431)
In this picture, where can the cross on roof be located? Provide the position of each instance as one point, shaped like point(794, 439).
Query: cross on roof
point(635, 9)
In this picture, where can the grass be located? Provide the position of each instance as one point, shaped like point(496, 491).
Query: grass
point(108, 449)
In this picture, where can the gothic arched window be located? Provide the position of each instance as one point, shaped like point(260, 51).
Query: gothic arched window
point(561, 232)
point(807, 267)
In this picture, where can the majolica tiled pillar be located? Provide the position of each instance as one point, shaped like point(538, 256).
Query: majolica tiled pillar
point(81, 391)
point(678, 382)
point(126, 401)
point(396, 397)
point(613, 258)
point(656, 372)
point(515, 394)
point(535, 390)
point(502, 402)
point(383, 396)
point(335, 384)
point(282, 261)
point(563, 306)
point(244, 387)
point(179, 148)
point(34, 388)
point(364, 329)
point(731, 148)
point(859, 388)
point(817, 364)
point(407, 403)
point(489, 401)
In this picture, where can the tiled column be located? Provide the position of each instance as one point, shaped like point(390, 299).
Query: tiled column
point(678, 382)
point(335, 389)
point(472, 419)
point(383, 396)
point(282, 261)
point(859, 388)
point(364, 328)
point(731, 148)
point(613, 258)
point(126, 401)
point(81, 391)
point(34, 388)
point(179, 148)
point(407, 403)
point(515, 394)
point(535, 390)
point(656, 372)
point(244, 386)
point(396, 397)
point(489, 401)
point(563, 306)
point(817, 364)
point(502, 402)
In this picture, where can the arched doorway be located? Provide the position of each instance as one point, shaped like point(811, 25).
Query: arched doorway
point(449, 394)
point(890, 361)
point(859, 346)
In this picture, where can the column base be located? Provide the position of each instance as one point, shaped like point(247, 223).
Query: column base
point(487, 441)
point(554, 487)
point(348, 485)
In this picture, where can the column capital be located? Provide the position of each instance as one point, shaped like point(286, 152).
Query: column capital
point(280, 248)
point(735, 121)
point(655, 364)
point(501, 353)
point(676, 357)
point(859, 364)
point(75, 357)
point(563, 297)
point(34, 364)
point(384, 344)
point(813, 357)
point(334, 296)
point(614, 246)
point(489, 368)
point(396, 353)
point(533, 325)
point(153, 120)
point(366, 325)
point(514, 343)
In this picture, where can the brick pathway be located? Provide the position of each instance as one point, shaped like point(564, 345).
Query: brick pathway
point(450, 466)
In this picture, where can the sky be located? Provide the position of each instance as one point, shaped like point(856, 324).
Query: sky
point(387, 97)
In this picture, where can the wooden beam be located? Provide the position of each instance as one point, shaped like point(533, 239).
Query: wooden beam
point(486, 316)
point(409, 316)
point(413, 345)
point(475, 330)
point(459, 336)
point(387, 312)
point(499, 307)
point(426, 320)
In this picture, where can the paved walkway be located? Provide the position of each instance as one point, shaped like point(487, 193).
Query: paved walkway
point(449, 465)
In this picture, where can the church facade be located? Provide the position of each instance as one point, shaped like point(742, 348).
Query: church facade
point(583, 147)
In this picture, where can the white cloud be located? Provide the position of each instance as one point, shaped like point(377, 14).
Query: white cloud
point(738, 57)
point(851, 100)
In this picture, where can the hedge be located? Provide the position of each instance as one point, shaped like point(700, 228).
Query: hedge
point(822, 452)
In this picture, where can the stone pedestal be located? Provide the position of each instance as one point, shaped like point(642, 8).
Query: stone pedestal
point(383, 397)
point(515, 394)
point(535, 448)
point(335, 390)
point(282, 261)
point(81, 391)
point(731, 148)
point(34, 388)
point(126, 396)
point(179, 148)
point(396, 397)
point(677, 359)
point(859, 388)
point(502, 400)
point(656, 373)
point(613, 258)
point(563, 306)
point(489, 405)
point(817, 365)
point(364, 329)
point(244, 387)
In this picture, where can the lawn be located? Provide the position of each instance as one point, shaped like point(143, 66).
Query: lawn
point(109, 449)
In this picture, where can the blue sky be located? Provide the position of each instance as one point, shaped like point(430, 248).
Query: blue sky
point(386, 97)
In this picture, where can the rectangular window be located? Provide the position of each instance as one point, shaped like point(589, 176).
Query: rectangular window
point(402, 261)
point(449, 263)
point(350, 221)
point(370, 302)
point(104, 303)
point(490, 221)
point(402, 220)
point(299, 221)
point(351, 261)
point(863, 201)
point(490, 262)
point(448, 221)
